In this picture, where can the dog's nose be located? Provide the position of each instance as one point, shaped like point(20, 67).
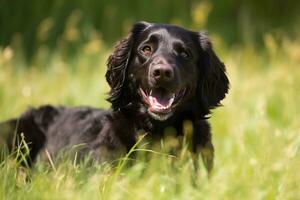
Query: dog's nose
point(162, 72)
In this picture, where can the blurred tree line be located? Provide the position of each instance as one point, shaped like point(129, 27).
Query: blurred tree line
point(49, 22)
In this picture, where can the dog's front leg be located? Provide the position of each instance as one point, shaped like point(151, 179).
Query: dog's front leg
point(202, 144)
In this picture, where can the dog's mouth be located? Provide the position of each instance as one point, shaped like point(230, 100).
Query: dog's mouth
point(160, 102)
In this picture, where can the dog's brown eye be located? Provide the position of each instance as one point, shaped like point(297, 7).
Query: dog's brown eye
point(146, 50)
point(184, 54)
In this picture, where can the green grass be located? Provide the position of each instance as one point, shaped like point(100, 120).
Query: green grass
point(256, 133)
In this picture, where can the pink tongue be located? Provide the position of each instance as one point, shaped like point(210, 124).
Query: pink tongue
point(160, 100)
point(159, 103)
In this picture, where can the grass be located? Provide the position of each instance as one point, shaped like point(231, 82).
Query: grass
point(256, 133)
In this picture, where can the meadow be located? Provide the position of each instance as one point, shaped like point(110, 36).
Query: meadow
point(256, 133)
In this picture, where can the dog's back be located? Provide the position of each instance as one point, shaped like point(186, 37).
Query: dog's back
point(55, 128)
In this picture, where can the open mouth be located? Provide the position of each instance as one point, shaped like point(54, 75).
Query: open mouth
point(160, 102)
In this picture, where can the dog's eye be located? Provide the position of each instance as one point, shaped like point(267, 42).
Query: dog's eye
point(184, 54)
point(146, 50)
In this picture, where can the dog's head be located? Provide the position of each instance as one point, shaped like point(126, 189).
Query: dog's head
point(165, 67)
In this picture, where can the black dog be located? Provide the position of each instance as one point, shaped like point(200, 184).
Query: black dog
point(160, 76)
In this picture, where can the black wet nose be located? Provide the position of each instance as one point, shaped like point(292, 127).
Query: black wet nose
point(162, 73)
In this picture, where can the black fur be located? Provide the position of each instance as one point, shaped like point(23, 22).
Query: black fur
point(102, 134)
point(155, 61)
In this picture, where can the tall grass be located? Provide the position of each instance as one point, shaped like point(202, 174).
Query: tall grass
point(256, 133)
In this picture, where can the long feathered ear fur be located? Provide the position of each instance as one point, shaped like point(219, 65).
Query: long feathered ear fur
point(214, 84)
point(117, 65)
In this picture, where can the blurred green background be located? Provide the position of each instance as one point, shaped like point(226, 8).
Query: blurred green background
point(55, 52)
point(55, 23)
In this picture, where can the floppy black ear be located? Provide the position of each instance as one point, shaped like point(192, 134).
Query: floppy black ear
point(117, 65)
point(214, 84)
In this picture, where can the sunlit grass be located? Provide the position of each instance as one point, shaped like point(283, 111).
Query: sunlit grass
point(256, 134)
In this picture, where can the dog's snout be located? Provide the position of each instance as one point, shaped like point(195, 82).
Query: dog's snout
point(163, 73)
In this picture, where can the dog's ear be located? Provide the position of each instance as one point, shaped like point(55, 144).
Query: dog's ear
point(117, 65)
point(213, 82)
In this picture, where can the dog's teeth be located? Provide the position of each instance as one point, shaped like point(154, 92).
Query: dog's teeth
point(150, 92)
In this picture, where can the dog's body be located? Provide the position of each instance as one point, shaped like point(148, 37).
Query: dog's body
point(160, 76)
point(102, 134)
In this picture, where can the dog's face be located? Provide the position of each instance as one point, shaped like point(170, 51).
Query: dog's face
point(162, 67)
